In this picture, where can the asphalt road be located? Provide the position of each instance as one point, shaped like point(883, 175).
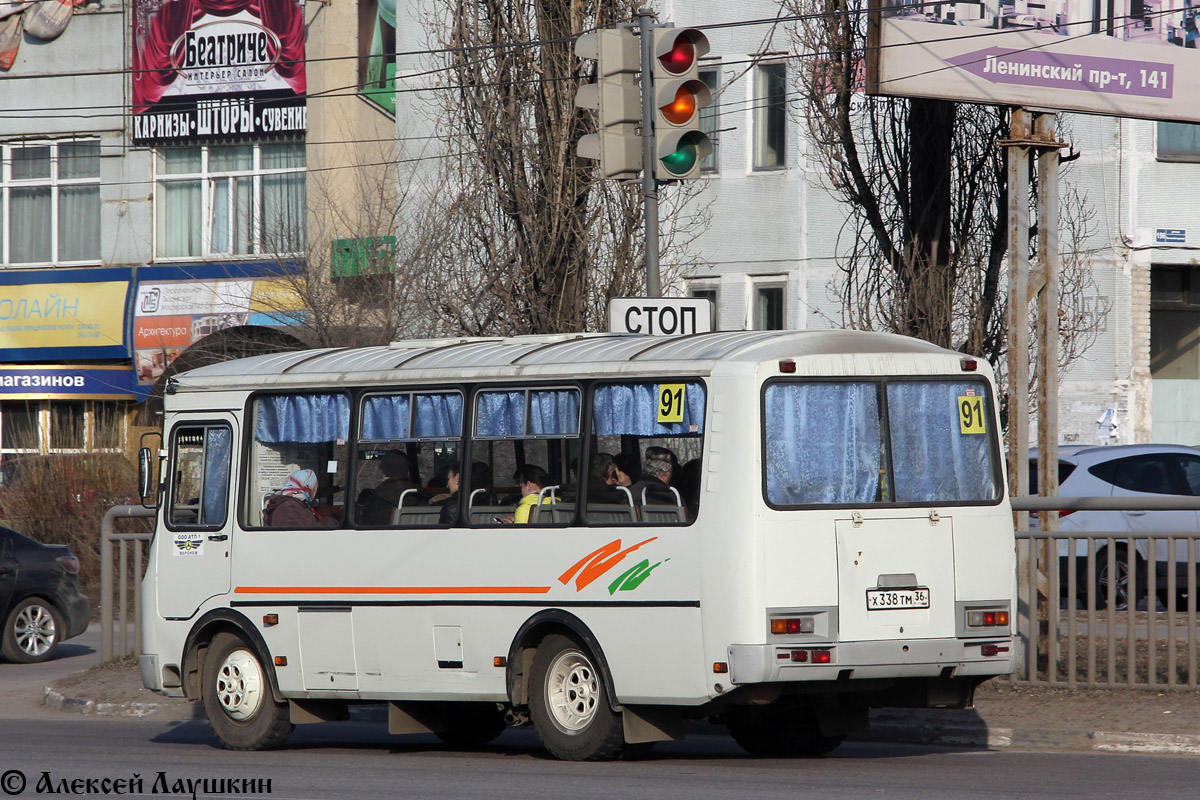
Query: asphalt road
point(73, 655)
point(357, 760)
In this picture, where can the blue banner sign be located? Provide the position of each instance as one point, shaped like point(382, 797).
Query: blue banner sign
point(82, 383)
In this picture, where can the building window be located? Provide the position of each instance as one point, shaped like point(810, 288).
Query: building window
point(1178, 141)
point(230, 200)
point(770, 116)
point(711, 296)
point(1175, 323)
point(708, 119)
point(768, 309)
point(40, 426)
point(50, 202)
point(19, 427)
point(68, 426)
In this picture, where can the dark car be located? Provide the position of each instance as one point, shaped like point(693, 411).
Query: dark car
point(40, 601)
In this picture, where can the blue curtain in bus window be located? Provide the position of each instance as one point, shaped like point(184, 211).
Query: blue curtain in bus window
point(632, 409)
point(500, 414)
point(932, 459)
point(822, 443)
point(385, 417)
point(554, 412)
point(439, 416)
point(216, 477)
point(302, 418)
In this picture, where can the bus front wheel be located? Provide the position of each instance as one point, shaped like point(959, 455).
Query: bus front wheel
point(567, 703)
point(238, 700)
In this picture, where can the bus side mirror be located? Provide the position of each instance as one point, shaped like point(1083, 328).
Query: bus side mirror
point(145, 474)
point(148, 481)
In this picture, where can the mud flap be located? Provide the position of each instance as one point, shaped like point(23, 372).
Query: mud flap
point(651, 724)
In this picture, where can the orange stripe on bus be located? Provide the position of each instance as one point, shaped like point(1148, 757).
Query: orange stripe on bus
point(391, 590)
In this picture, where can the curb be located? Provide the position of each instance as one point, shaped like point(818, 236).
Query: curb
point(1030, 739)
point(77, 705)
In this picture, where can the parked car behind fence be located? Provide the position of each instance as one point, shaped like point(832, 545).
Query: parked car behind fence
point(1135, 470)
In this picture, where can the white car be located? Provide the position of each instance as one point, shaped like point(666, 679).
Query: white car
point(1133, 470)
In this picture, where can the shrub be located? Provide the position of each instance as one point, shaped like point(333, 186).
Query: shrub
point(61, 499)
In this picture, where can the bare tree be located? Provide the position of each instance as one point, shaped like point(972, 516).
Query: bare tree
point(536, 242)
point(923, 183)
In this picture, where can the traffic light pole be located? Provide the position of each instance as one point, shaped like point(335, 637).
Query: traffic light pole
point(649, 185)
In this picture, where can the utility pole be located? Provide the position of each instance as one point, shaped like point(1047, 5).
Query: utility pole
point(1033, 133)
point(649, 185)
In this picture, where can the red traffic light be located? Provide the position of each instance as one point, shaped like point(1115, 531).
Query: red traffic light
point(680, 57)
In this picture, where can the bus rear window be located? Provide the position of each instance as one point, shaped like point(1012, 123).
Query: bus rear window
point(864, 442)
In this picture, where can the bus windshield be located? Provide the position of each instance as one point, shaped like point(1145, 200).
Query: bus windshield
point(879, 441)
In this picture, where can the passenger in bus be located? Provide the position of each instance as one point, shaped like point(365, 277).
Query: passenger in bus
point(605, 478)
point(629, 465)
point(531, 479)
point(654, 488)
point(375, 506)
point(449, 513)
point(440, 483)
point(292, 505)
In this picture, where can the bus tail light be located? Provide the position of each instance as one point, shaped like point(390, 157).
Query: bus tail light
point(969, 365)
point(992, 650)
point(787, 366)
point(785, 625)
point(988, 618)
point(808, 655)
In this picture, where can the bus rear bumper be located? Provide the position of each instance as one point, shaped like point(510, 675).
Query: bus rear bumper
point(897, 658)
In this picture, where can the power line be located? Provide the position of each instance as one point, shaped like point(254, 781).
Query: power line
point(355, 89)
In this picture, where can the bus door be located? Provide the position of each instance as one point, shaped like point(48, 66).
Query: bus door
point(194, 542)
point(895, 578)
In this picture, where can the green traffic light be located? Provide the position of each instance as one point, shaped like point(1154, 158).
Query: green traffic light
point(682, 160)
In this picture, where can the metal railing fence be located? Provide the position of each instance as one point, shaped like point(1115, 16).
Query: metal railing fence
point(118, 627)
point(1109, 609)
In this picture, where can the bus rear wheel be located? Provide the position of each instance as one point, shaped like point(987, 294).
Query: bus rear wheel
point(568, 703)
point(791, 732)
point(238, 700)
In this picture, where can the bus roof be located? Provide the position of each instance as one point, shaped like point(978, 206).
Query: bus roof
point(575, 353)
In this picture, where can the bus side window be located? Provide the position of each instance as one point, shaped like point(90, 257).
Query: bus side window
point(646, 465)
point(408, 443)
point(295, 432)
point(524, 457)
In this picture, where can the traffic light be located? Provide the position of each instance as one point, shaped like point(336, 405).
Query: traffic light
point(617, 97)
point(679, 94)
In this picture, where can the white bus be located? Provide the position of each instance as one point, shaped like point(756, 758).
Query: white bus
point(820, 526)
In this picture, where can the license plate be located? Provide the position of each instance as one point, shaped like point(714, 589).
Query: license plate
point(889, 599)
